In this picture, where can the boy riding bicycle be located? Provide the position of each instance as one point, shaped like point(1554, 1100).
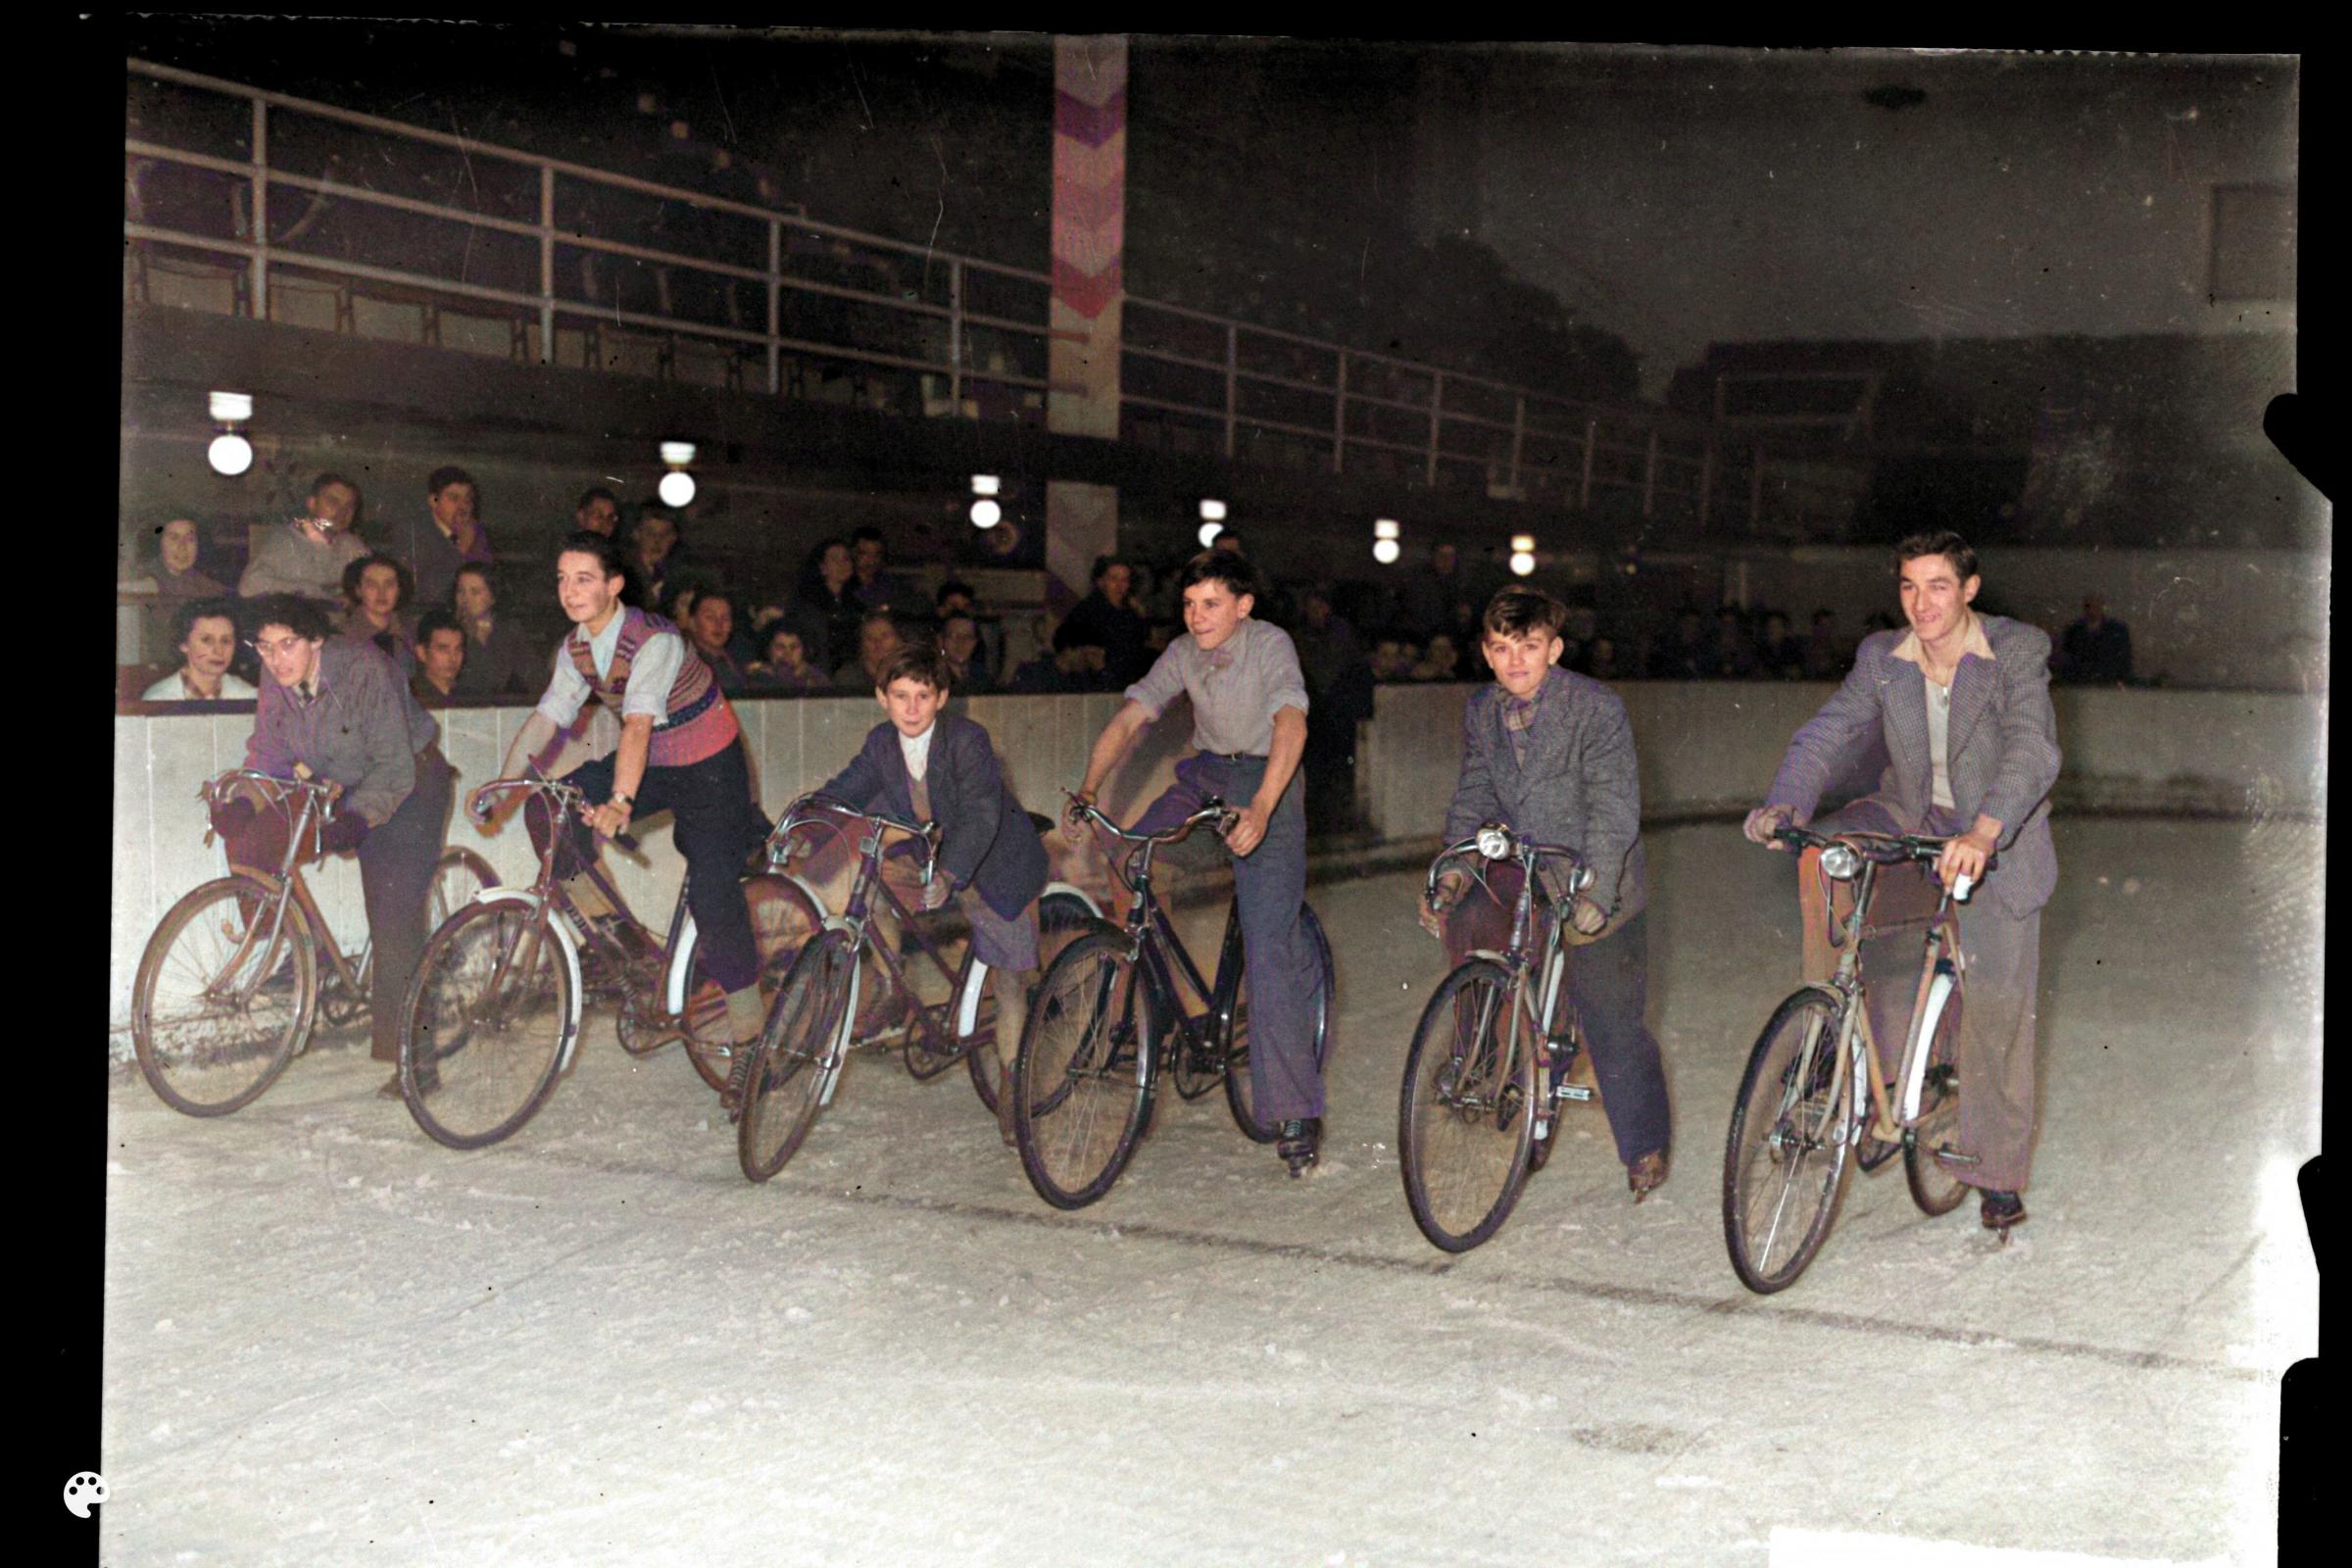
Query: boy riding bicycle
point(1550, 755)
point(1962, 701)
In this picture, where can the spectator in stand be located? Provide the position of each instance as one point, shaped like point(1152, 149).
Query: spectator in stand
point(1441, 661)
point(676, 605)
point(599, 512)
point(308, 556)
point(1339, 688)
point(1386, 650)
point(2095, 650)
point(450, 535)
point(708, 632)
point(1684, 654)
point(877, 640)
point(1735, 658)
point(1601, 657)
point(958, 597)
point(959, 642)
point(955, 597)
point(654, 552)
point(1426, 603)
point(825, 607)
point(500, 661)
point(376, 589)
point(1782, 655)
point(441, 656)
point(1042, 672)
point(786, 668)
point(877, 586)
point(1576, 637)
point(1824, 653)
point(171, 583)
point(1108, 620)
point(206, 638)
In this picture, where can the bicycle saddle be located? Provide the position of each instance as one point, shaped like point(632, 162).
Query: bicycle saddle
point(1042, 823)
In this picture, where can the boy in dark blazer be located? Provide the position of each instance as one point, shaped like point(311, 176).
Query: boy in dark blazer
point(1551, 755)
point(926, 765)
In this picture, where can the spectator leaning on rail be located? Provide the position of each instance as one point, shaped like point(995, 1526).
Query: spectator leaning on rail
point(960, 645)
point(500, 659)
point(878, 639)
point(709, 629)
point(786, 668)
point(447, 537)
point(2096, 651)
point(171, 581)
point(204, 630)
point(824, 605)
point(376, 589)
point(334, 710)
point(307, 555)
point(1107, 619)
point(1963, 703)
point(440, 658)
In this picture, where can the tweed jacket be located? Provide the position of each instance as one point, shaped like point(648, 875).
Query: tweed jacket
point(1579, 786)
point(2003, 745)
point(986, 838)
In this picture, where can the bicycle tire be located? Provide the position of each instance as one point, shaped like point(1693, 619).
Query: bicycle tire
point(203, 1053)
point(1061, 919)
point(1082, 1081)
point(1787, 1143)
point(783, 919)
point(1464, 1151)
point(488, 1018)
point(1935, 1187)
point(784, 1079)
point(1240, 1093)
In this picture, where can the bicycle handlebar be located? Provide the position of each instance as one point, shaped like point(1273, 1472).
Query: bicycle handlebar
point(814, 800)
point(565, 796)
point(1525, 850)
point(273, 786)
point(1213, 808)
point(1886, 848)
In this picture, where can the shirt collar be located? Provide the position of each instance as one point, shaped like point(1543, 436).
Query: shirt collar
point(603, 642)
point(1976, 641)
point(917, 749)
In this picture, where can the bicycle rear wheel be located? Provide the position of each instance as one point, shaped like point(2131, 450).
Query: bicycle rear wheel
point(1791, 1141)
point(1082, 1082)
point(1239, 1091)
point(1465, 1115)
point(1061, 919)
point(488, 1018)
point(783, 919)
point(784, 1078)
point(1935, 1187)
point(225, 993)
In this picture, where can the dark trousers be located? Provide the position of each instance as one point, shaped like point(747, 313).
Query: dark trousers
point(1608, 985)
point(1270, 885)
point(1997, 1021)
point(717, 827)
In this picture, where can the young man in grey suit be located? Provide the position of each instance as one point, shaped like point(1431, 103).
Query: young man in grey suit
point(1549, 753)
point(1963, 703)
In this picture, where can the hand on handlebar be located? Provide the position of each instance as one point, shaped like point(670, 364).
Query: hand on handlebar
point(1074, 819)
point(1585, 917)
point(937, 892)
point(1764, 821)
point(1435, 906)
point(1246, 829)
point(1964, 856)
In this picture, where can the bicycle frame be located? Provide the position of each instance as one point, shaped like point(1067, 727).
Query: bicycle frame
point(1533, 1007)
point(288, 885)
point(1152, 940)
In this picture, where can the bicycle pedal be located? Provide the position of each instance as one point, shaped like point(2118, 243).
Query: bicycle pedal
point(1571, 1092)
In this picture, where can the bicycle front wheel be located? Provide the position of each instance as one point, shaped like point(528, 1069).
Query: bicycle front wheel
point(1936, 1187)
point(783, 919)
point(1241, 1092)
point(489, 1014)
point(1791, 1141)
point(784, 1078)
point(1082, 1081)
point(225, 993)
point(1465, 1117)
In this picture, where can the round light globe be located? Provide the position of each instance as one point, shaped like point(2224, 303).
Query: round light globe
point(229, 454)
point(986, 514)
point(1385, 551)
point(1209, 532)
point(1522, 562)
point(677, 488)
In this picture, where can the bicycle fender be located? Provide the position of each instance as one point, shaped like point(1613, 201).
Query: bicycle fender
point(571, 961)
point(1080, 893)
point(848, 1016)
point(1940, 992)
point(682, 964)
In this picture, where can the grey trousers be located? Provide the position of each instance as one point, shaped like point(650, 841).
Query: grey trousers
point(1270, 885)
point(1997, 1026)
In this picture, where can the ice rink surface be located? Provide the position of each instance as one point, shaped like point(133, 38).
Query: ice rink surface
point(331, 1341)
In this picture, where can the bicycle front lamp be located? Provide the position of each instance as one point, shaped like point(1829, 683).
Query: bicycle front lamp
point(1842, 862)
point(1494, 841)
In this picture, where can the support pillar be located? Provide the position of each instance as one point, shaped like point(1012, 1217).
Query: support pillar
point(1089, 213)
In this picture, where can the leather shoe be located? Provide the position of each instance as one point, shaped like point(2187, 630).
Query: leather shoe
point(427, 1082)
point(1998, 1212)
point(1646, 1174)
point(1005, 1110)
point(1300, 1143)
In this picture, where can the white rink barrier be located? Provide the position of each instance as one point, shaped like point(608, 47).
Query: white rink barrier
point(1706, 748)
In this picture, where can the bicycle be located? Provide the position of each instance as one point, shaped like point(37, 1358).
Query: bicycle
point(494, 1014)
point(228, 990)
point(1801, 1114)
point(818, 1019)
point(1471, 1126)
point(1107, 1022)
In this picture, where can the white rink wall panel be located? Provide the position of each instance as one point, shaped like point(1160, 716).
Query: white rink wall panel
point(1705, 747)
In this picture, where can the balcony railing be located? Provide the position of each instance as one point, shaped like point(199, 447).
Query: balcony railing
point(773, 293)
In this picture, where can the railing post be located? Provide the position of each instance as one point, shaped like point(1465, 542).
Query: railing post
point(1233, 379)
point(1518, 437)
point(1339, 418)
point(259, 288)
point(547, 264)
point(775, 305)
point(956, 337)
point(1756, 487)
point(1437, 412)
point(1649, 474)
point(1584, 488)
point(1707, 479)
